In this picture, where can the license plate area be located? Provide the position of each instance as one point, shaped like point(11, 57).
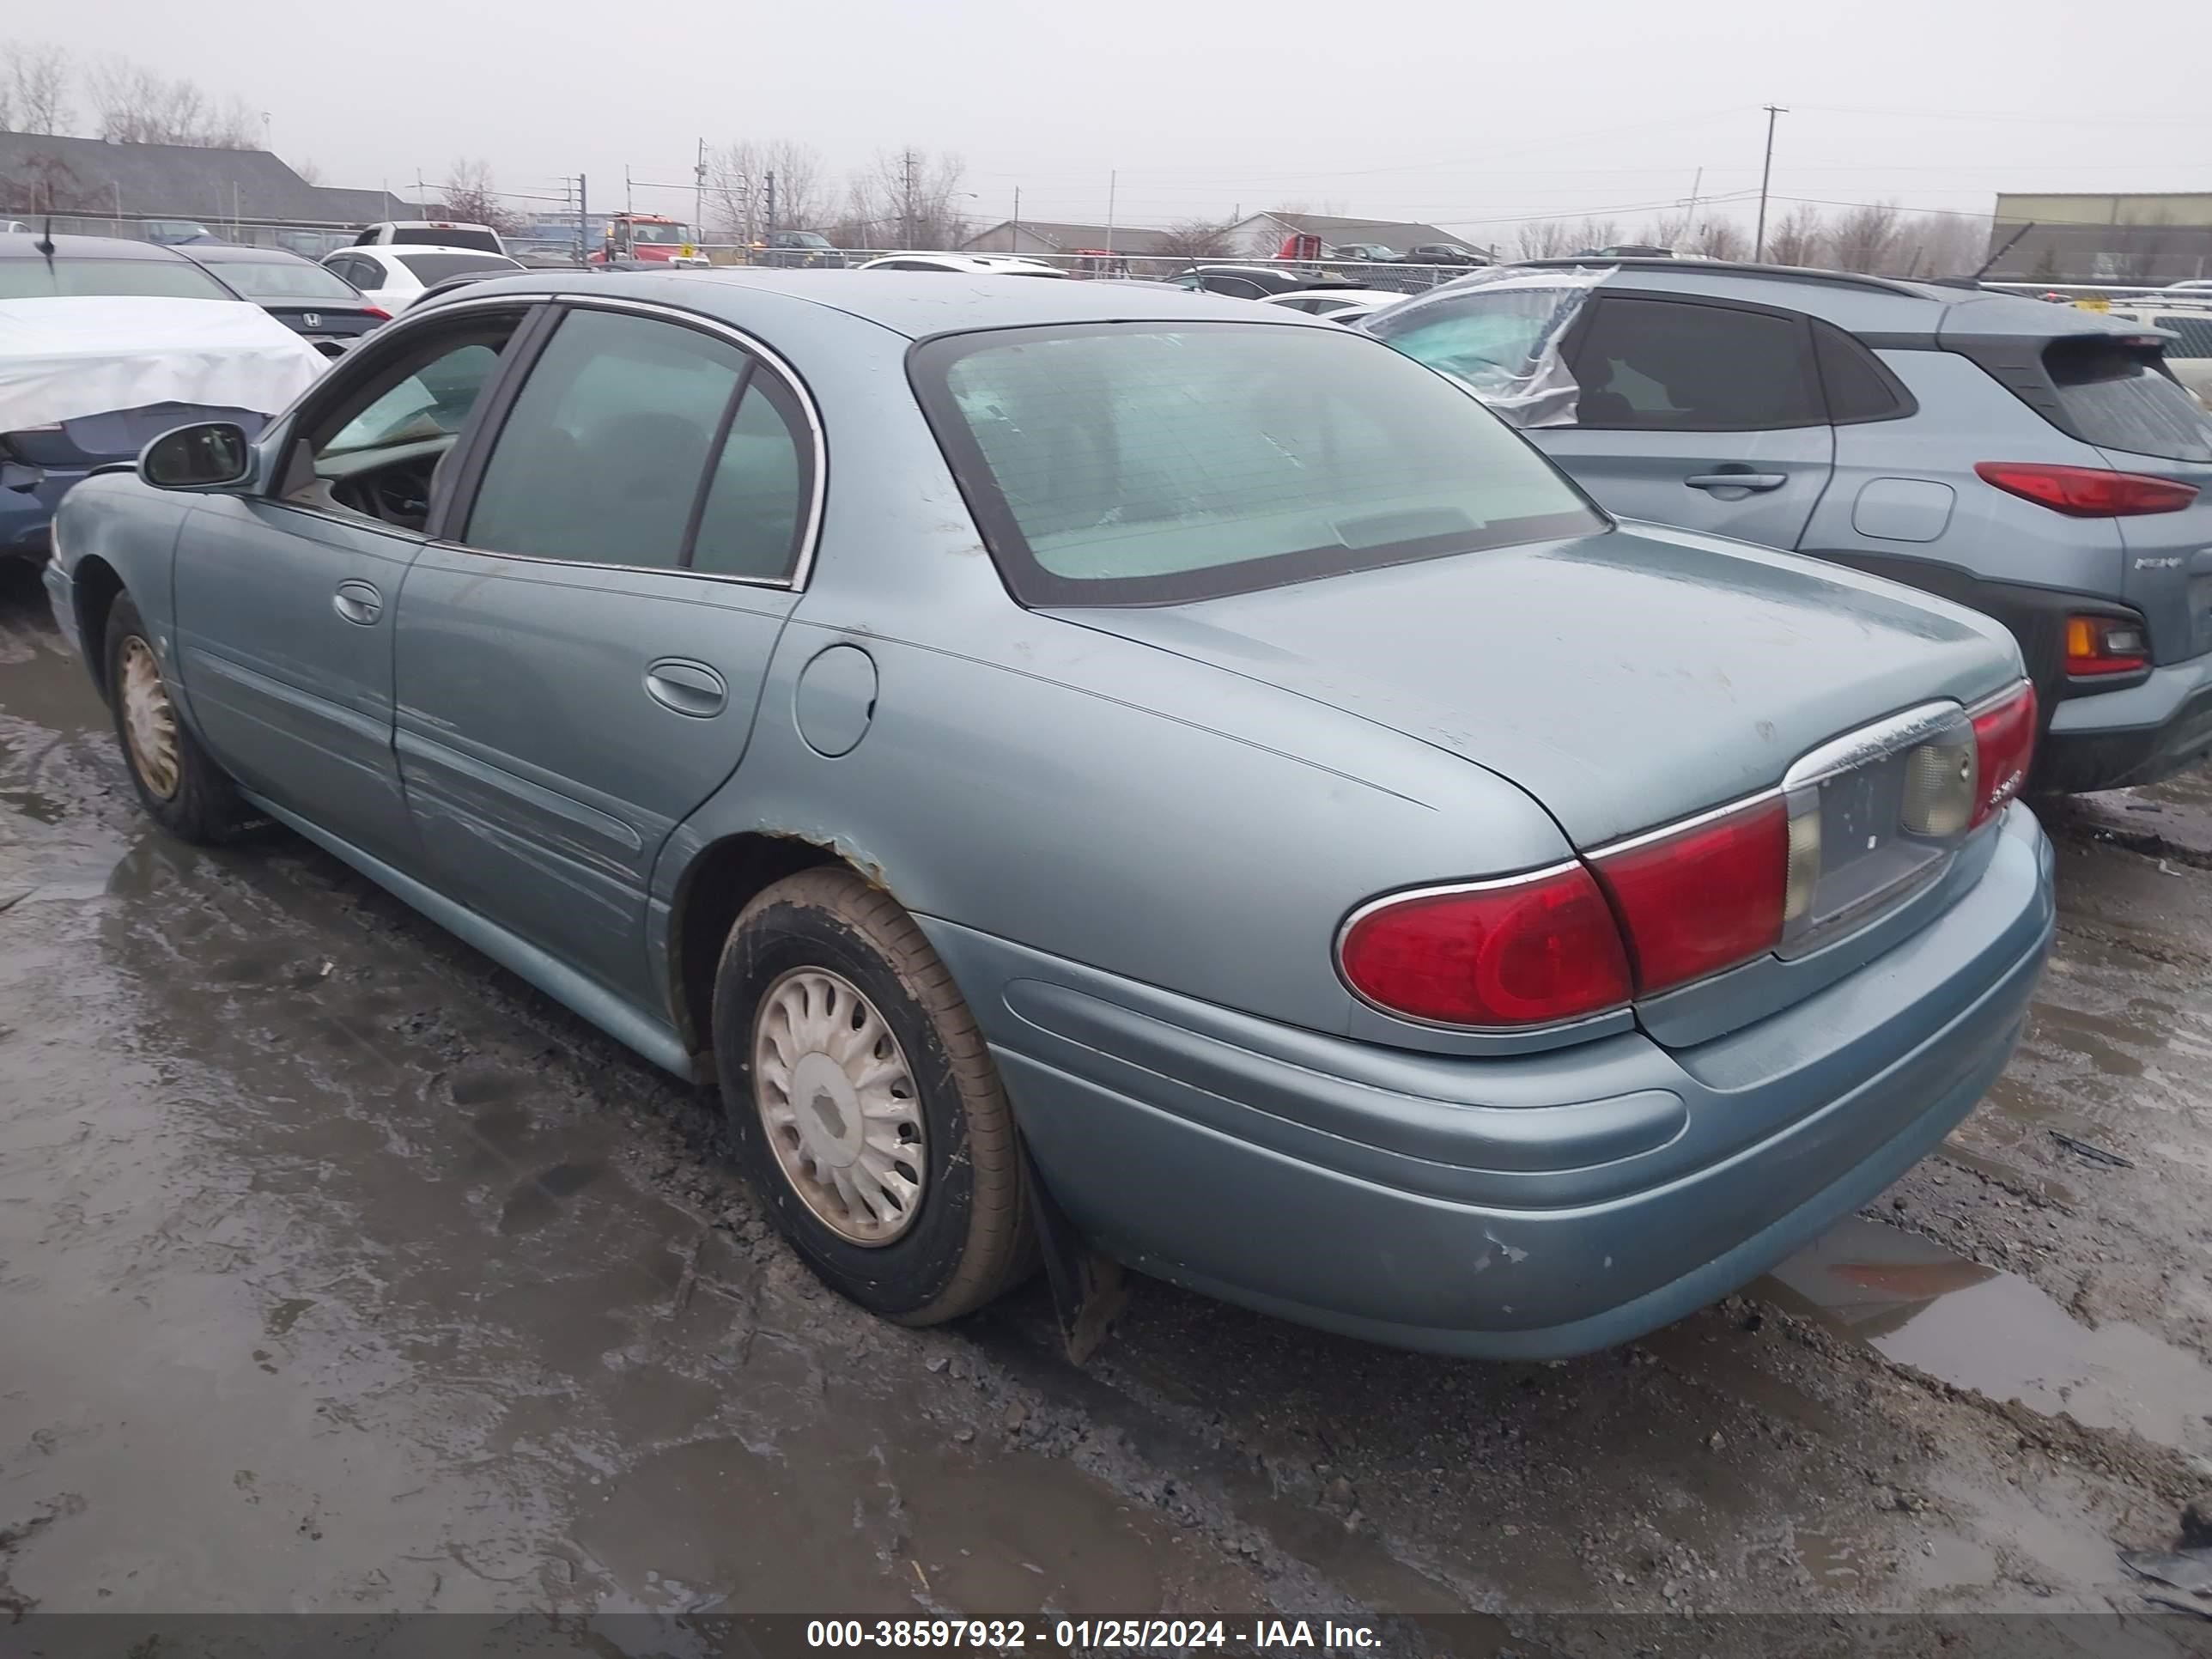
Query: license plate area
point(1874, 818)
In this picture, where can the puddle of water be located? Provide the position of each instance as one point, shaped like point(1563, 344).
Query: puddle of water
point(1833, 1562)
point(1916, 1303)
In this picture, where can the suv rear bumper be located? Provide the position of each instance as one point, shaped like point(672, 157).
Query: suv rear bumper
point(2136, 735)
point(1528, 1207)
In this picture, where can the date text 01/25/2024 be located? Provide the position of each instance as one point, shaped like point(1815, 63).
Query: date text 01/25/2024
point(1082, 1635)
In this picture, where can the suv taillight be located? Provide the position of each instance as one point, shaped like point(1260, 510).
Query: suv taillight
point(2106, 644)
point(1528, 951)
point(2086, 492)
point(2005, 744)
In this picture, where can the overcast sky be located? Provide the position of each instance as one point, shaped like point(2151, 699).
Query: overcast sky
point(1470, 115)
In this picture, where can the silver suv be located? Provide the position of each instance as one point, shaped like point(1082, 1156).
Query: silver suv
point(2036, 462)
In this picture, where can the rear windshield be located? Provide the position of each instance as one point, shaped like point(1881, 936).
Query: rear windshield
point(436, 267)
point(1151, 464)
point(160, 279)
point(285, 279)
point(444, 236)
point(2116, 397)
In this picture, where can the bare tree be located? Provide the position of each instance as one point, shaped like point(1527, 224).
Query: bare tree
point(1592, 233)
point(1721, 239)
point(1940, 244)
point(134, 106)
point(738, 192)
point(44, 184)
point(1198, 238)
point(473, 197)
point(1800, 239)
point(910, 196)
point(309, 169)
point(1864, 238)
point(1669, 230)
point(34, 89)
point(1543, 239)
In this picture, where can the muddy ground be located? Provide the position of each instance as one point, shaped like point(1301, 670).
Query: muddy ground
point(341, 1271)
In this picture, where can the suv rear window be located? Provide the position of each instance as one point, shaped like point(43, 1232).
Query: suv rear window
point(1151, 464)
point(436, 267)
point(2116, 397)
point(444, 236)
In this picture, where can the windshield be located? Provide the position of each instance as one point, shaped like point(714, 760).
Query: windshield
point(429, 404)
point(284, 279)
point(436, 267)
point(163, 279)
point(806, 239)
point(659, 235)
point(446, 236)
point(1122, 464)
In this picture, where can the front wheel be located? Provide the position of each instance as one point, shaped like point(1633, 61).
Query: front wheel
point(865, 1102)
point(179, 783)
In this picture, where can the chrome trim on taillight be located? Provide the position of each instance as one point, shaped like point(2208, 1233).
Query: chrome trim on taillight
point(1681, 826)
point(1871, 743)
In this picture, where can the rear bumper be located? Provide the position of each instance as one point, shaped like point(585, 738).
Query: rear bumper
point(1527, 1207)
point(61, 594)
point(2138, 735)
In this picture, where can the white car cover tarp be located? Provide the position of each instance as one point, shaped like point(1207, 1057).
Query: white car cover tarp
point(1508, 353)
point(64, 356)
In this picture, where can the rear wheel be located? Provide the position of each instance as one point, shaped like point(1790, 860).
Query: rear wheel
point(179, 785)
point(864, 1103)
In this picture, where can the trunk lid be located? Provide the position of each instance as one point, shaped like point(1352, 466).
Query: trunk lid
point(1626, 680)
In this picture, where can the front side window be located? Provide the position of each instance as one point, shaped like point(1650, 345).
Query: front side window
point(1152, 464)
point(602, 456)
point(160, 279)
point(373, 448)
point(1666, 366)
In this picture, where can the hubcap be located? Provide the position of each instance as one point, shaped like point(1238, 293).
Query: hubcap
point(839, 1105)
point(149, 723)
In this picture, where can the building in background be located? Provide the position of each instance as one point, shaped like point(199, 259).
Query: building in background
point(1048, 237)
point(1260, 235)
point(90, 178)
point(2077, 237)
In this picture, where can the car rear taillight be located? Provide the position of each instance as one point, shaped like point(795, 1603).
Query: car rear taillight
point(2086, 492)
point(1528, 950)
point(1695, 900)
point(2106, 644)
point(377, 311)
point(2005, 744)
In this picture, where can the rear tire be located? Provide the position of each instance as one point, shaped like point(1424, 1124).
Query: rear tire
point(864, 1104)
point(179, 783)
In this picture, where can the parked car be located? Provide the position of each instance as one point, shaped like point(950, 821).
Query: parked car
point(792, 250)
point(394, 277)
point(1626, 251)
point(314, 302)
point(968, 265)
point(430, 233)
point(1446, 253)
point(104, 345)
point(1372, 252)
point(1201, 785)
point(178, 233)
point(2186, 320)
point(1343, 304)
point(2036, 462)
point(1255, 281)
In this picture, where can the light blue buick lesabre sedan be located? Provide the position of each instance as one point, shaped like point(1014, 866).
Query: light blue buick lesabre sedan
point(1079, 763)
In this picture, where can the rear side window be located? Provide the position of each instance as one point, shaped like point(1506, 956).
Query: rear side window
point(1859, 388)
point(2116, 397)
point(1666, 366)
point(756, 504)
point(601, 457)
point(1149, 464)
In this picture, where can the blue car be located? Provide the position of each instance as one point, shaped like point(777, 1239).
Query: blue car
point(1106, 774)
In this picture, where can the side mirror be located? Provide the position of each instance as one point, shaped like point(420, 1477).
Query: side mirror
point(209, 456)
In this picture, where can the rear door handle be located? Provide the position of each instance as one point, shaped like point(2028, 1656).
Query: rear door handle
point(687, 687)
point(1737, 480)
point(357, 601)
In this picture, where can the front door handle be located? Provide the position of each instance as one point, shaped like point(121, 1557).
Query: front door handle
point(357, 601)
point(687, 687)
point(1744, 481)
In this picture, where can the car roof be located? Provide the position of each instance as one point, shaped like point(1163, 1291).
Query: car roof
point(915, 304)
point(16, 245)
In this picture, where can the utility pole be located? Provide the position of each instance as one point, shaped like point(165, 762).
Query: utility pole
point(630, 196)
point(420, 192)
point(1112, 183)
point(771, 205)
point(907, 230)
point(583, 219)
point(1014, 238)
point(1765, 174)
point(699, 195)
point(1690, 219)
